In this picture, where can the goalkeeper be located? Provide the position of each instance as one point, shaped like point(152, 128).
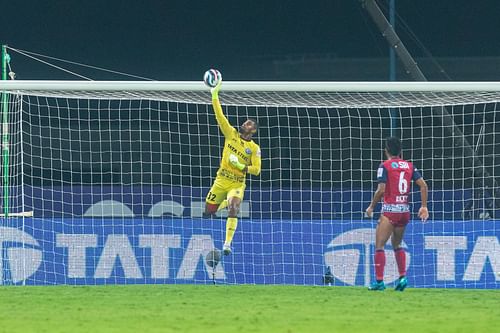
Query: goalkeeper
point(241, 155)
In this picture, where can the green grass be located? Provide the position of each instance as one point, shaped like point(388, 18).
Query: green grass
point(224, 309)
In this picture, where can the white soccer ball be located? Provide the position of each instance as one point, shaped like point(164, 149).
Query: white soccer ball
point(212, 77)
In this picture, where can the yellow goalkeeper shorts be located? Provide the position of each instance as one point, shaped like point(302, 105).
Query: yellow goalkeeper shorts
point(224, 189)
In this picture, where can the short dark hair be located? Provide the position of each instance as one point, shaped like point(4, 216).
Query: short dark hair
point(393, 146)
point(255, 122)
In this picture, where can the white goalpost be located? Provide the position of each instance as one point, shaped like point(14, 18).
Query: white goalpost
point(105, 182)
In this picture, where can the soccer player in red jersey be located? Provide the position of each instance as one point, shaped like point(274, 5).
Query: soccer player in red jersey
point(394, 177)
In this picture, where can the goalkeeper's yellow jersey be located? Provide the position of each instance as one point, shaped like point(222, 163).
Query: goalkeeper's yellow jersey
point(248, 152)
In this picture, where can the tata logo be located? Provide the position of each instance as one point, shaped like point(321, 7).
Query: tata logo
point(20, 255)
point(350, 258)
point(118, 251)
point(394, 165)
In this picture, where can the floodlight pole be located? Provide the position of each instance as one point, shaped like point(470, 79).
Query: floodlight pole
point(393, 39)
point(5, 135)
point(392, 54)
point(449, 125)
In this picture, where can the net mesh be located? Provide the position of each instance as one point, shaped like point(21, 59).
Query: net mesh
point(117, 182)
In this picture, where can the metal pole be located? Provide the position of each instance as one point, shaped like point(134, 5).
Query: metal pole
point(5, 135)
point(393, 40)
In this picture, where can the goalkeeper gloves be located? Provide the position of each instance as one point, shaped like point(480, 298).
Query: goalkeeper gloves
point(215, 90)
point(233, 159)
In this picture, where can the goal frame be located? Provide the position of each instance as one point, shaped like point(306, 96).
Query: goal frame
point(278, 86)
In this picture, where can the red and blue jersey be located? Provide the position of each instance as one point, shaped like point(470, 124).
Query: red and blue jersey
point(397, 175)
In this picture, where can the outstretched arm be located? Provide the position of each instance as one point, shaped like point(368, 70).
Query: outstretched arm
point(423, 212)
point(224, 124)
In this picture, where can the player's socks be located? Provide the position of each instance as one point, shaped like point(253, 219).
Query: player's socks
point(222, 205)
point(379, 264)
point(379, 271)
point(231, 225)
point(402, 283)
point(400, 255)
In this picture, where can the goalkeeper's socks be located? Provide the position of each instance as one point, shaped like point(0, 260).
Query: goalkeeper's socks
point(231, 225)
point(400, 255)
point(379, 264)
point(222, 205)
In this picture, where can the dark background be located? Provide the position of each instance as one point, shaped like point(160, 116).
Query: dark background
point(247, 40)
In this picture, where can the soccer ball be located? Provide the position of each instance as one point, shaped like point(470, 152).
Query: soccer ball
point(213, 258)
point(212, 77)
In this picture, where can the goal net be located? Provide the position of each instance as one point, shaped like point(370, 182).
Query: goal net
point(115, 175)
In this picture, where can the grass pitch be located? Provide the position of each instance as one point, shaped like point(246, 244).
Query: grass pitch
point(224, 309)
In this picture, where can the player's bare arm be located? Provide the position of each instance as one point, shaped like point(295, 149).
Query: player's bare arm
point(423, 212)
point(379, 194)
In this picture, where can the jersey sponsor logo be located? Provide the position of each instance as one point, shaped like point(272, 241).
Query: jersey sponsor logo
point(248, 151)
point(380, 172)
point(403, 165)
point(395, 208)
point(237, 152)
point(394, 165)
point(232, 148)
